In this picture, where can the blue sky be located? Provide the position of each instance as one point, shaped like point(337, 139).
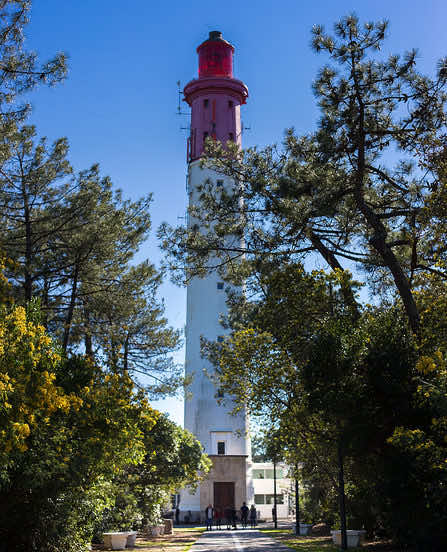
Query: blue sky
point(118, 105)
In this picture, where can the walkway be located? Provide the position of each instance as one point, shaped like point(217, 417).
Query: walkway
point(241, 540)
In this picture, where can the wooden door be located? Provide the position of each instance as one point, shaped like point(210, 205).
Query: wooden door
point(223, 495)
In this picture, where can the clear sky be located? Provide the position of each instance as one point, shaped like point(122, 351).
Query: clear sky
point(118, 105)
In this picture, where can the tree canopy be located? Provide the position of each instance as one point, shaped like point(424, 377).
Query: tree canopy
point(361, 189)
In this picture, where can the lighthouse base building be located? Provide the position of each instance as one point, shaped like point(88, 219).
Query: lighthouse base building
point(215, 98)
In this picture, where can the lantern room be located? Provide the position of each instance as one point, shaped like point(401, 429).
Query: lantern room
point(215, 57)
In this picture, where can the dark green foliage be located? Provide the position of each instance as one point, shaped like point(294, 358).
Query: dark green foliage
point(174, 459)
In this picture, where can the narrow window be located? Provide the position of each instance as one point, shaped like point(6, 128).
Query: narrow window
point(220, 447)
point(205, 136)
point(259, 499)
point(219, 182)
point(230, 104)
point(205, 103)
point(220, 285)
point(231, 135)
point(220, 394)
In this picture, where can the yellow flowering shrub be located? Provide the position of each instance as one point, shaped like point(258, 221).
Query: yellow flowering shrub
point(28, 392)
point(67, 427)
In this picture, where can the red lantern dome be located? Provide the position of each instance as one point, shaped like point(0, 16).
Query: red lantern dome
point(215, 57)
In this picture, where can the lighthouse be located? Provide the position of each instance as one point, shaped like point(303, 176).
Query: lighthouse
point(215, 98)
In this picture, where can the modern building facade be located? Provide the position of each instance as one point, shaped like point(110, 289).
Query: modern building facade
point(263, 486)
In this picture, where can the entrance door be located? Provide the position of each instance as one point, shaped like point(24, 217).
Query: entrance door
point(223, 495)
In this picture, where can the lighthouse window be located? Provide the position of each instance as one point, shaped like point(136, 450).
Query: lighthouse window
point(230, 104)
point(220, 447)
point(231, 136)
point(220, 285)
point(205, 103)
point(205, 136)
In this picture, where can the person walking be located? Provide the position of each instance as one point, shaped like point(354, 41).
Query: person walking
point(253, 516)
point(228, 516)
point(209, 514)
point(244, 515)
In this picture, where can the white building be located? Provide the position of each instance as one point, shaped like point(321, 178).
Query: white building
point(263, 484)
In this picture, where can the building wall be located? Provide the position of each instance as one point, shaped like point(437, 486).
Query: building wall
point(265, 487)
point(225, 469)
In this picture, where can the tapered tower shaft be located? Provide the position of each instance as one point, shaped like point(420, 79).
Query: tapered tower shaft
point(215, 98)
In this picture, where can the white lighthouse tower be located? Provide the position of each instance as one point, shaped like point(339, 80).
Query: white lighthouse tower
point(215, 98)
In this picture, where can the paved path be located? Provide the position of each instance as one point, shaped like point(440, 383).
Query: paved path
point(241, 540)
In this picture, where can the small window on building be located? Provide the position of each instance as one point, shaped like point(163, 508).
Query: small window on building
point(230, 104)
point(258, 474)
point(269, 474)
point(231, 135)
point(259, 499)
point(219, 182)
point(220, 338)
point(205, 103)
point(220, 285)
point(270, 499)
point(220, 447)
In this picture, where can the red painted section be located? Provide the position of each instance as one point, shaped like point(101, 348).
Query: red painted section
point(215, 98)
point(215, 59)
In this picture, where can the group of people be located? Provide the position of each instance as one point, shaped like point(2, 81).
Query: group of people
point(217, 515)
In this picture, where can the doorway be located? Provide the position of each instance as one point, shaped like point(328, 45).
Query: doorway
point(223, 495)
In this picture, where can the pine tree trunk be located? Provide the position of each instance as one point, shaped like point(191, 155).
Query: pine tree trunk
point(88, 344)
point(297, 502)
point(28, 283)
point(71, 307)
point(341, 498)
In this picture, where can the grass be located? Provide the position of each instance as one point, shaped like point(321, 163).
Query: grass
point(321, 544)
point(303, 544)
point(181, 541)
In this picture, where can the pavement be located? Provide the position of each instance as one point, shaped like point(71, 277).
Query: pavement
point(240, 540)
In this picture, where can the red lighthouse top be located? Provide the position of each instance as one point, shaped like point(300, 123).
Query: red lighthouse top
point(215, 57)
point(215, 97)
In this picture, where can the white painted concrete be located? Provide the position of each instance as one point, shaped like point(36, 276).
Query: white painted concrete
point(206, 304)
point(209, 421)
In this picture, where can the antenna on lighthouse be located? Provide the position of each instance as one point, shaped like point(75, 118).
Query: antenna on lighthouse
point(179, 106)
